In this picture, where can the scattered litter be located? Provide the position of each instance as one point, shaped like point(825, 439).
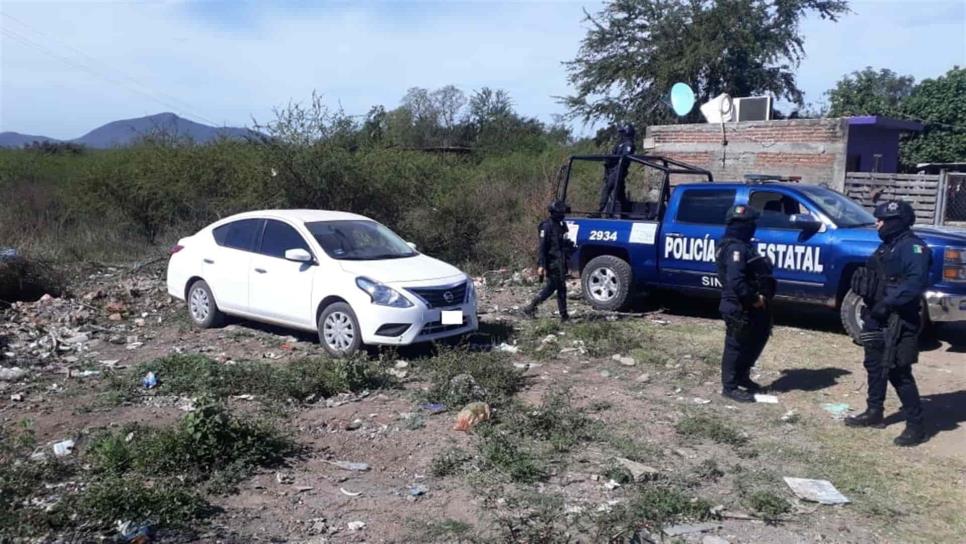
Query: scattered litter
point(507, 348)
point(712, 539)
point(346, 465)
point(12, 374)
point(605, 373)
point(398, 374)
point(526, 366)
point(837, 409)
point(821, 491)
point(574, 509)
point(350, 493)
point(790, 416)
point(303, 488)
point(470, 415)
point(149, 381)
point(283, 478)
point(699, 400)
point(63, 448)
point(626, 361)
point(356, 424)
point(433, 407)
point(612, 484)
point(639, 471)
point(134, 345)
point(356, 526)
point(688, 528)
point(87, 373)
point(418, 490)
point(766, 399)
point(465, 386)
point(400, 364)
point(16, 397)
point(246, 396)
point(549, 339)
point(644, 378)
point(132, 533)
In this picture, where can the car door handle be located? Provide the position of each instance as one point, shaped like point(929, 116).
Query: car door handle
point(261, 270)
point(208, 261)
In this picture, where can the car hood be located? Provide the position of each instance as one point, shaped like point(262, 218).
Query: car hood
point(418, 268)
point(942, 236)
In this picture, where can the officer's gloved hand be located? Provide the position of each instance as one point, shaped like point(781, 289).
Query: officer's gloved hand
point(880, 312)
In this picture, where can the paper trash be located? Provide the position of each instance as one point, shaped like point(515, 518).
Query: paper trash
point(821, 491)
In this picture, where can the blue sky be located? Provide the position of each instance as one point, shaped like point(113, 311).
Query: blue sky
point(67, 67)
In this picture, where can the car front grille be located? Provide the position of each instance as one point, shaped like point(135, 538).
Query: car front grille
point(437, 297)
point(435, 327)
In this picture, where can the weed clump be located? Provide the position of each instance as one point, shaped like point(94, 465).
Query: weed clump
point(301, 380)
point(459, 376)
point(768, 504)
point(449, 462)
point(652, 507)
point(711, 428)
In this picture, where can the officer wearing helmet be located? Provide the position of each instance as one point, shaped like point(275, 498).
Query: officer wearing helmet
point(747, 288)
point(552, 253)
point(613, 199)
point(891, 285)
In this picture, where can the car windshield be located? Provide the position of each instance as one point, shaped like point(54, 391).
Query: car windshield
point(359, 240)
point(842, 210)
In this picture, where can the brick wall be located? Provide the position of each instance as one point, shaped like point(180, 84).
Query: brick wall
point(814, 149)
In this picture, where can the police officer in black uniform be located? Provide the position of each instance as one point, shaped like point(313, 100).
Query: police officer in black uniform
point(552, 253)
point(747, 287)
point(891, 285)
point(613, 199)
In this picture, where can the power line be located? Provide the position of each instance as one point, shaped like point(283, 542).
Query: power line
point(124, 81)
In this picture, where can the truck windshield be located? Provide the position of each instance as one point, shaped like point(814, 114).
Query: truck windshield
point(356, 240)
point(838, 207)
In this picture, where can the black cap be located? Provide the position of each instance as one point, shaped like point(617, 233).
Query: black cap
point(895, 208)
point(741, 212)
point(627, 130)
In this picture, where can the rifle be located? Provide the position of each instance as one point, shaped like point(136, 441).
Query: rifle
point(891, 337)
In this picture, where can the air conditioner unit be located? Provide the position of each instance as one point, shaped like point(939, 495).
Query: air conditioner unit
point(753, 108)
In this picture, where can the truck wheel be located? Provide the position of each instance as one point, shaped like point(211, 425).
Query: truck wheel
point(851, 313)
point(606, 282)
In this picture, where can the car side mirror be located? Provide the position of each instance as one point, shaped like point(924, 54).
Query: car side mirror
point(411, 245)
point(298, 255)
point(804, 221)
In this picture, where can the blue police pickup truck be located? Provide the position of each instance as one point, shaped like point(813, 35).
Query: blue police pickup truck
point(665, 239)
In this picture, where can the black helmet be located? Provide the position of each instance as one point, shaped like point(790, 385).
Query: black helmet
point(558, 208)
point(741, 212)
point(895, 209)
point(626, 131)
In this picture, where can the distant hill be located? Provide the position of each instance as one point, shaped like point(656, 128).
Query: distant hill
point(128, 131)
point(15, 139)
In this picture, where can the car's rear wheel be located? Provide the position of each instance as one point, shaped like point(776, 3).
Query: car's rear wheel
point(339, 330)
point(606, 282)
point(202, 308)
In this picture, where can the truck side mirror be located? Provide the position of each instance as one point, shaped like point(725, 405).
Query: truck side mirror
point(804, 221)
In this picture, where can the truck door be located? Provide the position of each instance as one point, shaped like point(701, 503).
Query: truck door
point(799, 255)
point(692, 228)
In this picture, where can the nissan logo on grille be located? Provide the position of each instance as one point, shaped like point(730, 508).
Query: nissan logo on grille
point(448, 297)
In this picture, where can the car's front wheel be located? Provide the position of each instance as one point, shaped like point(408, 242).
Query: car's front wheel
point(202, 308)
point(606, 282)
point(851, 314)
point(339, 330)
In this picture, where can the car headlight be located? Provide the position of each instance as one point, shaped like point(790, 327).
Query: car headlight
point(470, 290)
point(954, 264)
point(382, 295)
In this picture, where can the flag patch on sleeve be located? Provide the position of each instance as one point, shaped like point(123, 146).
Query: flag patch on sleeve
point(736, 256)
point(916, 248)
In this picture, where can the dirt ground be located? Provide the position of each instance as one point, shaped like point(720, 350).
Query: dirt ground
point(897, 495)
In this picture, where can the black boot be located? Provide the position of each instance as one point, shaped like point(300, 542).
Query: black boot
point(913, 434)
point(738, 395)
point(749, 384)
point(530, 310)
point(564, 318)
point(869, 418)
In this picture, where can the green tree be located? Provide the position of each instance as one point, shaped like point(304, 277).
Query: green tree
point(636, 49)
point(941, 106)
point(870, 92)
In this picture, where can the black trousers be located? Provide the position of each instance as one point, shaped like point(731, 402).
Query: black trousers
point(555, 283)
point(743, 345)
point(900, 376)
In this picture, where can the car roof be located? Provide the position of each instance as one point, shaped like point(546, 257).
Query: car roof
point(740, 184)
point(299, 216)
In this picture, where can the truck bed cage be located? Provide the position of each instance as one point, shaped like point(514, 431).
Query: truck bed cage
point(665, 165)
point(753, 179)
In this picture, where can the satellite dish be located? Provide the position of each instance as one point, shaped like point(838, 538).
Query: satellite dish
point(682, 99)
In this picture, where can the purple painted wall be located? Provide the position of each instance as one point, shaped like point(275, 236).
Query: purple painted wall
point(872, 135)
point(867, 141)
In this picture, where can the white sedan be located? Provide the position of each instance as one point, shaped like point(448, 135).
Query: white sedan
point(344, 275)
